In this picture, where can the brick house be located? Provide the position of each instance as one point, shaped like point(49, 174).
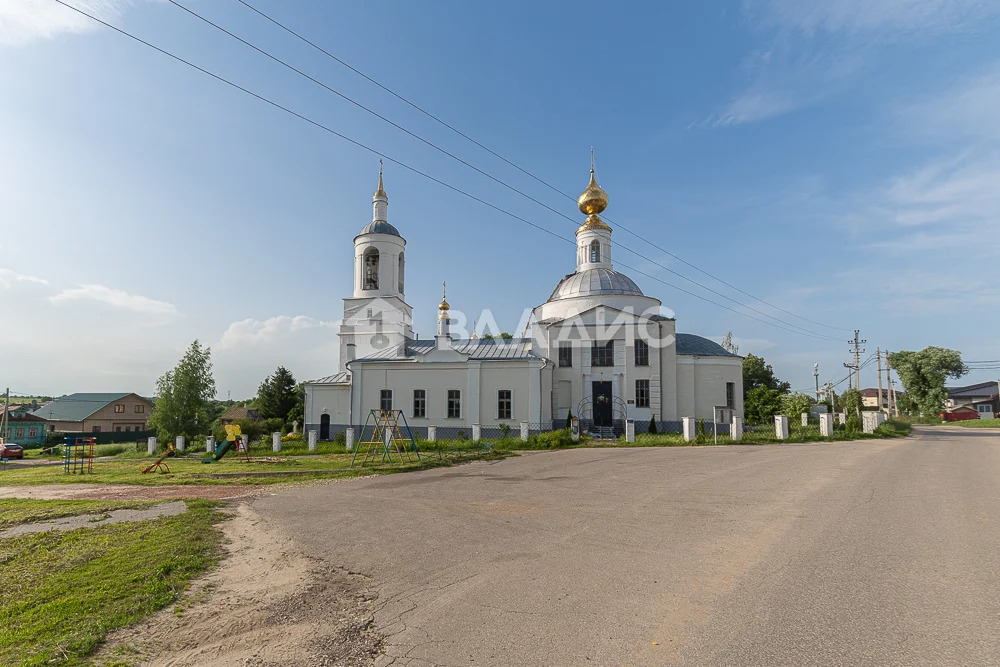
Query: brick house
point(96, 413)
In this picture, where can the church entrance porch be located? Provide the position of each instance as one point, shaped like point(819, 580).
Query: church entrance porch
point(602, 403)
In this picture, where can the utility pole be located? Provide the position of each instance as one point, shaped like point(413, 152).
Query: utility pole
point(851, 373)
point(857, 342)
point(892, 386)
point(3, 418)
point(878, 353)
point(816, 377)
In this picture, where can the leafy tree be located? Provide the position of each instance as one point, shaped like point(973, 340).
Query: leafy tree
point(758, 373)
point(504, 335)
point(298, 411)
point(486, 336)
point(852, 402)
point(761, 404)
point(795, 404)
point(276, 395)
point(183, 395)
point(924, 373)
point(729, 345)
point(652, 424)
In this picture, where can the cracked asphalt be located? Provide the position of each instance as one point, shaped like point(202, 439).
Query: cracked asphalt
point(878, 552)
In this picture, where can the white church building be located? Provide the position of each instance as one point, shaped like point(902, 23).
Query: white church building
point(597, 348)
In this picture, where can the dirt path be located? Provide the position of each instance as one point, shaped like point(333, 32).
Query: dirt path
point(267, 604)
point(127, 491)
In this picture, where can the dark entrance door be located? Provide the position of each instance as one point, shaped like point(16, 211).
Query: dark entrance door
point(602, 403)
point(324, 427)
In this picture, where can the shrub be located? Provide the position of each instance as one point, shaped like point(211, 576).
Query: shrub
point(340, 438)
point(853, 423)
point(551, 439)
point(701, 427)
point(504, 431)
point(652, 425)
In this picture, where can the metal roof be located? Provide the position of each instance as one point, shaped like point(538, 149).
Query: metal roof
point(77, 407)
point(973, 390)
point(337, 378)
point(496, 349)
point(380, 227)
point(693, 345)
point(594, 281)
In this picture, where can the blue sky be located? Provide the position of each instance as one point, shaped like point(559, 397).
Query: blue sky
point(838, 159)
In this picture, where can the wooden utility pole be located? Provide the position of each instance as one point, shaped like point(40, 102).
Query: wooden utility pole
point(878, 353)
point(857, 358)
point(3, 418)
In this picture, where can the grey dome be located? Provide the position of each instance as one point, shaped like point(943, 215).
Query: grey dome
point(594, 281)
point(380, 227)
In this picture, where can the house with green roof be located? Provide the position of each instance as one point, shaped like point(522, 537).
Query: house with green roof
point(97, 413)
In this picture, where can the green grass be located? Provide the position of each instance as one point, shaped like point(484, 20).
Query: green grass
point(18, 510)
point(978, 423)
point(63, 592)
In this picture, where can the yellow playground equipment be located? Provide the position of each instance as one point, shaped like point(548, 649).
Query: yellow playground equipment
point(160, 465)
point(234, 438)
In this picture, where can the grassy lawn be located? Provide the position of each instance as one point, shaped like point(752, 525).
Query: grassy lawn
point(63, 592)
point(978, 423)
point(17, 510)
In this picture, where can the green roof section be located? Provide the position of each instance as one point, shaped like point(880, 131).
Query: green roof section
point(77, 407)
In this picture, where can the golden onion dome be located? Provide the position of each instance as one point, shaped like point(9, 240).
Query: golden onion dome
point(593, 222)
point(443, 305)
point(594, 199)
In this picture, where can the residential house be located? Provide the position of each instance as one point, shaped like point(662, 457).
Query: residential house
point(869, 398)
point(980, 400)
point(24, 428)
point(96, 413)
point(238, 413)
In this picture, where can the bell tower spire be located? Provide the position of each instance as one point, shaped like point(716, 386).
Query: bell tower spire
point(380, 200)
point(593, 238)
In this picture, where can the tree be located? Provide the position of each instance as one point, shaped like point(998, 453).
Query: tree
point(183, 395)
point(758, 373)
point(298, 411)
point(795, 404)
point(504, 335)
point(652, 424)
point(761, 404)
point(276, 394)
point(852, 402)
point(729, 345)
point(924, 373)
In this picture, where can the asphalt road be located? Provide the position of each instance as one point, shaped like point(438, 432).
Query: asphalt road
point(857, 553)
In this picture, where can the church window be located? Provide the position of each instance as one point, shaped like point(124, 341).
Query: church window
point(454, 404)
point(401, 264)
point(565, 355)
point(505, 404)
point(419, 402)
point(641, 353)
point(642, 393)
point(595, 251)
point(385, 399)
point(602, 354)
point(731, 395)
point(371, 269)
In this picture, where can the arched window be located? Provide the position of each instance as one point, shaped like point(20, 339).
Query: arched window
point(401, 264)
point(371, 269)
point(595, 251)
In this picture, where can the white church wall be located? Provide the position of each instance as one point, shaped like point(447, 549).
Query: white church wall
point(669, 386)
point(505, 375)
point(333, 400)
point(707, 377)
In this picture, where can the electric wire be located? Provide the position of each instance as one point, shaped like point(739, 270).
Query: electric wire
point(518, 167)
point(262, 98)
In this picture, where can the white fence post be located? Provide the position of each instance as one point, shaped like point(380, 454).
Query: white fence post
point(629, 430)
point(151, 445)
point(805, 419)
point(736, 429)
point(842, 418)
point(210, 444)
point(690, 430)
point(349, 438)
point(313, 437)
point(432, 433)
point(781, 427)
point(179, 443)
point(477, 433)
point(868, 422)
point(825, 425)
point(276, 442)
point(524, 431)
point(574, 429)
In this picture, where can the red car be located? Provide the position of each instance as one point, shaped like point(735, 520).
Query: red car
point(9, 450)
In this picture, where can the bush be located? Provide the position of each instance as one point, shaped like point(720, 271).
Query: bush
point(505, 431)
point(853, 423)
point(701, 427)
point(340, 438)
point(551, 439)
point(652, 425)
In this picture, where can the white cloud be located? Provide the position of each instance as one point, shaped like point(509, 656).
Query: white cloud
point(965, 110)
point(885, 17)
point(9, 278)
point(116, 298)
point(23, 21)
point(251, 332)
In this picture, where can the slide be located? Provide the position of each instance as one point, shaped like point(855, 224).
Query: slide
point(220, 451)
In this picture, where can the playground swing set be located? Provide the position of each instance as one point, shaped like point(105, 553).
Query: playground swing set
point(382, 435)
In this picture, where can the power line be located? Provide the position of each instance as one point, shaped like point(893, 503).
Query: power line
point(516, 166)
point(797, 330)
point(472, 166)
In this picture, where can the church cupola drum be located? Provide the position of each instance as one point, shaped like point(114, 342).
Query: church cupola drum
point(379, 255)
